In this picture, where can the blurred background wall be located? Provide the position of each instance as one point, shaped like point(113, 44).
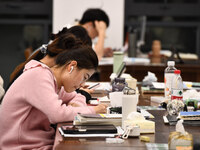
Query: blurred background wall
point(28, 23)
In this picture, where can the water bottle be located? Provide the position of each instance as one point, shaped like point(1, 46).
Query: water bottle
point(177, 86)
point(168, 77)
point(175, 105)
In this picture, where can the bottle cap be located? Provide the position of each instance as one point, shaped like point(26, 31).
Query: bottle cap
point(121, 80)
point(177, 71)
point(170, 63)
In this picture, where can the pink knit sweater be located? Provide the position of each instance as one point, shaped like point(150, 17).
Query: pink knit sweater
point(31, 104)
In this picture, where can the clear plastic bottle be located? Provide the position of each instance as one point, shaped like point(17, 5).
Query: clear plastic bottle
point(177, 86)
point(175, 105)
point(168, 77)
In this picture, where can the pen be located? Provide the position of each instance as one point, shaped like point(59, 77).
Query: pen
point(93, 86)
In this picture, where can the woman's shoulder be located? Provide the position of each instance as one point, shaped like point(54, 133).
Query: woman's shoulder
point(36, 68)
point(35, 64)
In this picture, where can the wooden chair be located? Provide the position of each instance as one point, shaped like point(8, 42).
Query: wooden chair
point(27, 52)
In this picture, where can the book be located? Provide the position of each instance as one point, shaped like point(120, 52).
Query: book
point(191, 115)
point(113, 129)
point(85, 135)
point(151, 90)
point(189, 118)
point(101, 116)
point(98, 119)
point(89, 129)
point(161, 146)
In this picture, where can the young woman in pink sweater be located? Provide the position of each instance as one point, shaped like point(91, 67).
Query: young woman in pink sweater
point(42, 96)
point(49, 58)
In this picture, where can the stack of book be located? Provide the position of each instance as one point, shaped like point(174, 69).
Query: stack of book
point(98, 119)
point(190, 118)
point(88, 131)
point(151, 90)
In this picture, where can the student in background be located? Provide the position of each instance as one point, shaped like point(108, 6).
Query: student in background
point(96, 21)
point(37, 98)
point(78, 31)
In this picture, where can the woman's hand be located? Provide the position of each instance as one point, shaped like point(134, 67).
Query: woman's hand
point(73, 104)
point(100, 27)
point(101, 108)
point(108, 52)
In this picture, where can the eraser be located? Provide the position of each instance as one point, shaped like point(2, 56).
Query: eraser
point(145, 138)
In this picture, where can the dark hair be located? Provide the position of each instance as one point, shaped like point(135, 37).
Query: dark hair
point(67, 41)
point(78, 31)
point(62, 43)
point(85, 56)
point(94, 14)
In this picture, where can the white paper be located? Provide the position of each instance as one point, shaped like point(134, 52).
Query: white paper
point(158, 85)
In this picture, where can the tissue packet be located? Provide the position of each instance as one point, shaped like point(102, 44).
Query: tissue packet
point(180, 138)
point(177, 139)
point(146, 126)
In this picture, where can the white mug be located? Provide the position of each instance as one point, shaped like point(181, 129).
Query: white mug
point(116, 99)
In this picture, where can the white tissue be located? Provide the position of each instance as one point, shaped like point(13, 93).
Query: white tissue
point(180, 127)
point(151, 77)
point(191, 94)
point(135, 116)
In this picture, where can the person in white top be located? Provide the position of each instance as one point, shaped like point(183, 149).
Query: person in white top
point(96, 21)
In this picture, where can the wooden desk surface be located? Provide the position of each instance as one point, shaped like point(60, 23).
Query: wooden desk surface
point(189, 72)
point(160, 136)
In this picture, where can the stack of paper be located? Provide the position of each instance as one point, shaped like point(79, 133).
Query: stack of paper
point(92, 119)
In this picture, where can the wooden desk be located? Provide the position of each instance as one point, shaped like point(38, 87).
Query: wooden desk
point(189, 72)
point(161, 136)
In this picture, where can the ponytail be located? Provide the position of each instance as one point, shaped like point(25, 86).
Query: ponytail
point(66, 39)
